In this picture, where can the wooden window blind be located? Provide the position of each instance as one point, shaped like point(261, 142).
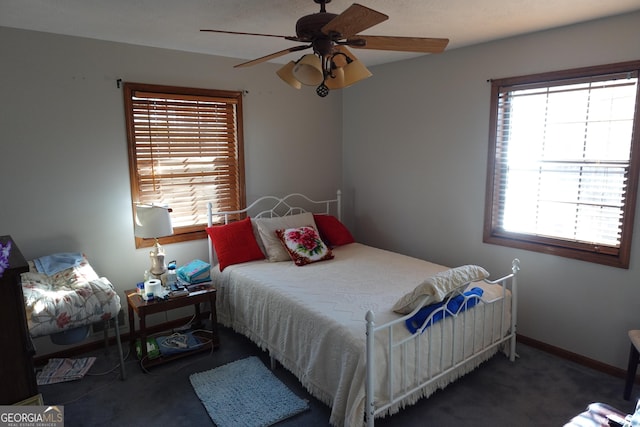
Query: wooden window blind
point(563, 163)
point(185, 149)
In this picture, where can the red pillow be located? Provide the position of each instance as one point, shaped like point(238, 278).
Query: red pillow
point(235, 243)
point(333, 232)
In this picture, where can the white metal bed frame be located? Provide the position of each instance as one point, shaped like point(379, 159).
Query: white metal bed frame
point(280, 206)
point(411, 383)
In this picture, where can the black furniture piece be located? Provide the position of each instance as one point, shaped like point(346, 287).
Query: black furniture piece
point(16, 364)
point(634, 358)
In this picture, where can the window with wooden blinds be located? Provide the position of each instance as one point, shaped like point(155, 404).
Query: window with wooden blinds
point(564, 161)
point(185, 149)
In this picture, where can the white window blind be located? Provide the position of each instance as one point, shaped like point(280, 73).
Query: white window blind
point(567, 152)
point(563, 153)
point(186, 150)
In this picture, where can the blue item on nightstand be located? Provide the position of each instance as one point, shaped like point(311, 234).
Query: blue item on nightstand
point(196, 271)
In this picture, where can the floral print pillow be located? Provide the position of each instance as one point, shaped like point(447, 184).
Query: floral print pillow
point(304, 245)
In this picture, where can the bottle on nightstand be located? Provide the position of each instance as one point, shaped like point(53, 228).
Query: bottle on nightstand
point(172, 276)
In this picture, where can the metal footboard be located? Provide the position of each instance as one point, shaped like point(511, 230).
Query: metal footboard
point(424, 349)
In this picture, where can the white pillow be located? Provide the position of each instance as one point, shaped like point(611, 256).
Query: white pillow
point(437, 287)
point(274, 250)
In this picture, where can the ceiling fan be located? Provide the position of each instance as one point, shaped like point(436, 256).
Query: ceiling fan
point(332, 65)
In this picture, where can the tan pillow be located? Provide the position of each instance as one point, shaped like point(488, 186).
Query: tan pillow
point(437, 287)
point(273, 248)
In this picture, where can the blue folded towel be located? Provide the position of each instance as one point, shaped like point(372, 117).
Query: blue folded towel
point(455, 305)
point(52, 264)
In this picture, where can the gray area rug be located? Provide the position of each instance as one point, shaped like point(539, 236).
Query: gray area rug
point(537, 390)
point(245, 393)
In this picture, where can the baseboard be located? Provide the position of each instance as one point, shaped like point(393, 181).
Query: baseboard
point(574, 357)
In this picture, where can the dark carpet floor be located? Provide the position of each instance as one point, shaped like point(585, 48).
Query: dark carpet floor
point(538, 389)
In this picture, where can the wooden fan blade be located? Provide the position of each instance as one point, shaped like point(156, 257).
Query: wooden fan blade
point(271, 56)
point(343, 49)
point(402, 44)
point(248, 34)
point(354, 19)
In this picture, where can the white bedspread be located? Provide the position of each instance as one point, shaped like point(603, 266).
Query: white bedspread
point(312, 318)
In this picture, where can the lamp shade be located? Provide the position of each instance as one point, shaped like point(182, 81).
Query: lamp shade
point(336, 80)
point(308, 70)
point(152, 222)
point(286, 74)
point(354, 72)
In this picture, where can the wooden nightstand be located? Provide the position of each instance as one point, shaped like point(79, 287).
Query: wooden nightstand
point(143, 308)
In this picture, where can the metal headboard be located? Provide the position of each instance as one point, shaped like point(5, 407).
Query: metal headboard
point(273, 206)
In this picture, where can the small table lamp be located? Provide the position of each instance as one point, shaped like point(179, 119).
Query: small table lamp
point(154, 221)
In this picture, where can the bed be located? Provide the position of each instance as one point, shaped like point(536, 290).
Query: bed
point(329, 318)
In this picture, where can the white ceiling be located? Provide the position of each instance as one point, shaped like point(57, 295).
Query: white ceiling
point(175, 24)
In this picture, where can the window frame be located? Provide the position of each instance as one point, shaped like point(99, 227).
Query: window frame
point(195, 231)
point(594, 253)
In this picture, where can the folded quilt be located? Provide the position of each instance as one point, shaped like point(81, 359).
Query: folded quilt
point(52, 264)
point(454, 306)
point(68, 299)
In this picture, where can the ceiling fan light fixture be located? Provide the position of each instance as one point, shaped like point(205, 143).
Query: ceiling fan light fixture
point(329, 34)
point(336, 79)
point(286, 74)
point(354, 72)
point(339, 60)
point(308, 70)
point(322, 90)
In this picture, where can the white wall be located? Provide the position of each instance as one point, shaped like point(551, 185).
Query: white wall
point(64, 178)
point(416, 138)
